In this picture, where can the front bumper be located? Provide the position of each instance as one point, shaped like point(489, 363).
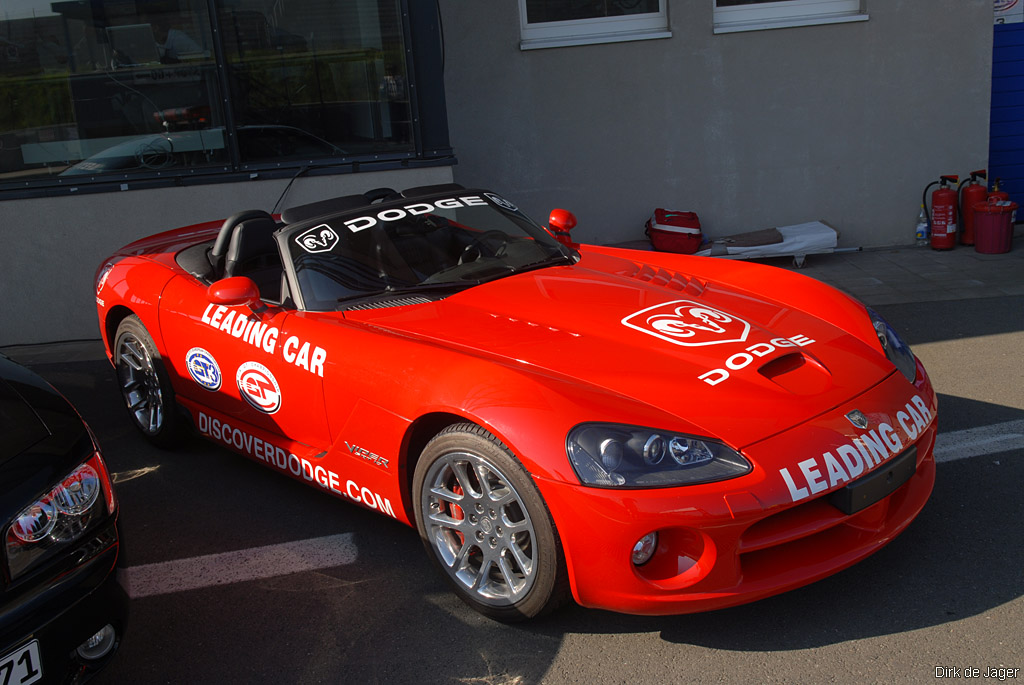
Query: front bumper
point(737, 541)
point(66, 611)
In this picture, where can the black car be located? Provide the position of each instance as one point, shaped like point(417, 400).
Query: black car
point(62, 609)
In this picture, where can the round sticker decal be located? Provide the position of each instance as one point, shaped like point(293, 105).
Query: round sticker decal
point(258, 387)
point(203, 368)
point(501, 202)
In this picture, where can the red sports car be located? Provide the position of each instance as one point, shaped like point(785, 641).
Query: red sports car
point(652, 433)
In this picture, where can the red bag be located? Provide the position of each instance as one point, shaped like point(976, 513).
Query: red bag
point(672, 231)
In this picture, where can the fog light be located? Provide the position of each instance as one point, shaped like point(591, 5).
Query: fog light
point(99, 645)
point(644, 548)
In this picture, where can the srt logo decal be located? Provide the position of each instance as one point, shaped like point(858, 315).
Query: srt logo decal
point(688, 323)
point(203, 368)
point(320, 238)
point(259, 387)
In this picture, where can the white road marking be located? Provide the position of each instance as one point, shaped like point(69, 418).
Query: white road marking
point(977, 442)
point(338, 550)
point(241, 566)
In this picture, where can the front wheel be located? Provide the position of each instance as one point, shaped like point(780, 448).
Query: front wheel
point(144, 384)
point(483, 521)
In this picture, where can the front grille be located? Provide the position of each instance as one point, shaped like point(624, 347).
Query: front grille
point(815, 533)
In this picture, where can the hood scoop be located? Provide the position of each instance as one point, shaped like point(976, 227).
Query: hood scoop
point(797, 372)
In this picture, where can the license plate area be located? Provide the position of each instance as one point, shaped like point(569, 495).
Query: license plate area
point(21, 666)
point(864, 492)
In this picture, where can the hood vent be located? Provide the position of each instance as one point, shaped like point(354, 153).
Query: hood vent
point(396, 302)
point(798, 373)
point(666, 279)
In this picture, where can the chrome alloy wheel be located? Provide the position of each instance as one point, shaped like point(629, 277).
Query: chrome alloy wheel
point(140, 383)
point(479, 528)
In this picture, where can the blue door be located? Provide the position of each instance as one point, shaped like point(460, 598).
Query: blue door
point(1006, 132)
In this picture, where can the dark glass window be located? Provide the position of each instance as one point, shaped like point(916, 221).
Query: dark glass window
point(316, 77)
point(108, 86)
point(541, 11)
point(733, 3)
point(90, 88)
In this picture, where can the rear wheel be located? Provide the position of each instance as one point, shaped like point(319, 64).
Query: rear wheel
point(144, 383)
point(484, 523)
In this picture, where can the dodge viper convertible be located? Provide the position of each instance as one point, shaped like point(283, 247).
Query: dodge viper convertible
point(643, 432)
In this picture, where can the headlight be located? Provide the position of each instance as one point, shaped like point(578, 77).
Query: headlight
point(61, 516)
point(896, 351)
point(615, 455)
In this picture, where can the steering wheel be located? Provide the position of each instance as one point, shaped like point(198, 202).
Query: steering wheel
point(479, 244)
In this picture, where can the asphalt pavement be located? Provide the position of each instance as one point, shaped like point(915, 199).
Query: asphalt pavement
point(921, 274)
point(211, 542)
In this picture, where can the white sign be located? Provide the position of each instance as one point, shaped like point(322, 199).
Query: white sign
point(1009, 11)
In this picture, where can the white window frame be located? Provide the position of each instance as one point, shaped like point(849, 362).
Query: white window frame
point(775, 15)
point(553, 34)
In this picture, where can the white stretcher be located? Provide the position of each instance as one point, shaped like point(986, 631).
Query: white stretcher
point(798, 241)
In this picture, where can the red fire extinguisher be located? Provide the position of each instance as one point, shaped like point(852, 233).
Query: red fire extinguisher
point(971, 194)
point(1000, 195)
point(943, 214)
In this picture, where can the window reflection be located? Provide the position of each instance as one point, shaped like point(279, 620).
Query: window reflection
point(89, 87)
point(334, 70)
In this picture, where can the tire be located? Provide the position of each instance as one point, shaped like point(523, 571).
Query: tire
point(484, 523)
point(144, 384)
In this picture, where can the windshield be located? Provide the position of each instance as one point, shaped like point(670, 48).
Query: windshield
point(437, 244)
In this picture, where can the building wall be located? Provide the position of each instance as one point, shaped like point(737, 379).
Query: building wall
point(845, 122)
point(53, 246)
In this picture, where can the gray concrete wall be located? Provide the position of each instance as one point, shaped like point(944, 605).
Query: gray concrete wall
point(845, 122)
point(53, 246)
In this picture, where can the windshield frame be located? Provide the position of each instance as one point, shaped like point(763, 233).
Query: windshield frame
point(382, 215)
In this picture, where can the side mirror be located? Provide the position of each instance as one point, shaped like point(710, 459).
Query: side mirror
point(234, 291)
point(560, 223)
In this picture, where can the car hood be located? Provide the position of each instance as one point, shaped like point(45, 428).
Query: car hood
point(35, 419)
point(732, 364)
point(20, 426)
point(43, 438)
